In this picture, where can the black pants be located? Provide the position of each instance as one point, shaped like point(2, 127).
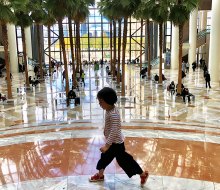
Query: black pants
point(184, 98)
point(125, 160)
point(208, 84)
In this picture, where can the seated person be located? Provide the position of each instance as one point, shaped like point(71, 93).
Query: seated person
point(20, 68)
point(182, 87)
point(71, 94)
point(185, 92)
point(172, 88)
point(156, 78)
point(143, 72)
point(30, 80)
point(3, 98)
point(34, 82)
point(163, 77)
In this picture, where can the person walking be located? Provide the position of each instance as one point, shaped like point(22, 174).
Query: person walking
point(114, 147)
point(207, 79)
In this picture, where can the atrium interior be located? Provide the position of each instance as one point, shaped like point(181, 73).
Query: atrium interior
point(47, 144)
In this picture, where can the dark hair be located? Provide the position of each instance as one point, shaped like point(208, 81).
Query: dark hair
point(108, 95)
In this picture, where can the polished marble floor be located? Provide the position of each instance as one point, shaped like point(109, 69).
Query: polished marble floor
point(45, 145)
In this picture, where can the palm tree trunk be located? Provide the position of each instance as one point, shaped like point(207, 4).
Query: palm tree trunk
point(114, 35)
point(39, 51)
point(49, 43)
point(76, 49)
point(148, 50)
point(77, 46)
point(64, 53)
point(161, 49)
point(123, 54)
point(141, 42)
point(180, 59)
point(72, 51)
point(5, 43)
point(25, 56)
point(119, 51)
point(111, 46)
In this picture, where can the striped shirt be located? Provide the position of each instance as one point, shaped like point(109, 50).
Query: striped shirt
point(112, 130)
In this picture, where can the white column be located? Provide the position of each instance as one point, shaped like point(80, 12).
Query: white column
point(203, 19)
point(158, 41)
point(13, 54)
point(192, 36)
point(203, 24)
point(214, 49)
point(28, 41)
point(175, 48)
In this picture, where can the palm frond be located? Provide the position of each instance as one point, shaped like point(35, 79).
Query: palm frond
point(6, 14)
point(23, 19)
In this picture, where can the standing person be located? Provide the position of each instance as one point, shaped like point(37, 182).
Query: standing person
point(207, 79)
point(83, 77)
point(187, 67)
point(77, 76)
point(64, 75)
point(194, 66)
point(114, 146)
point(205, 69)
point(183, 66)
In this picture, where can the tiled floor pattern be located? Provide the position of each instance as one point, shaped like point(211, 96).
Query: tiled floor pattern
point(46, 145)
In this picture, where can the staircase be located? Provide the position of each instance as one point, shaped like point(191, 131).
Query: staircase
point(201, 40)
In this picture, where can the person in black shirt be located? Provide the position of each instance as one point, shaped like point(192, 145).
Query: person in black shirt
point(185, 92)
point(207, 79)
point(156, 78)
point(71, 94)
point(172, 88)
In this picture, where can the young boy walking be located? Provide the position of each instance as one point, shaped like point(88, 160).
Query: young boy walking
point(114, 147)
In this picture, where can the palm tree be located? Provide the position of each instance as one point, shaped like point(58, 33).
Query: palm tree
point(48, 21)
point(59, 9)
point(148, 50)
point(125, 9)
point(6, 16)
point(143, 12)
point(114, 46)
point(106, 8)
point(38, 15)
point(119, 51)
point(79, 15)
point(160, 13)
point(74, 83)
point(141, 43)
point(24, 20)
point(179, 13)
